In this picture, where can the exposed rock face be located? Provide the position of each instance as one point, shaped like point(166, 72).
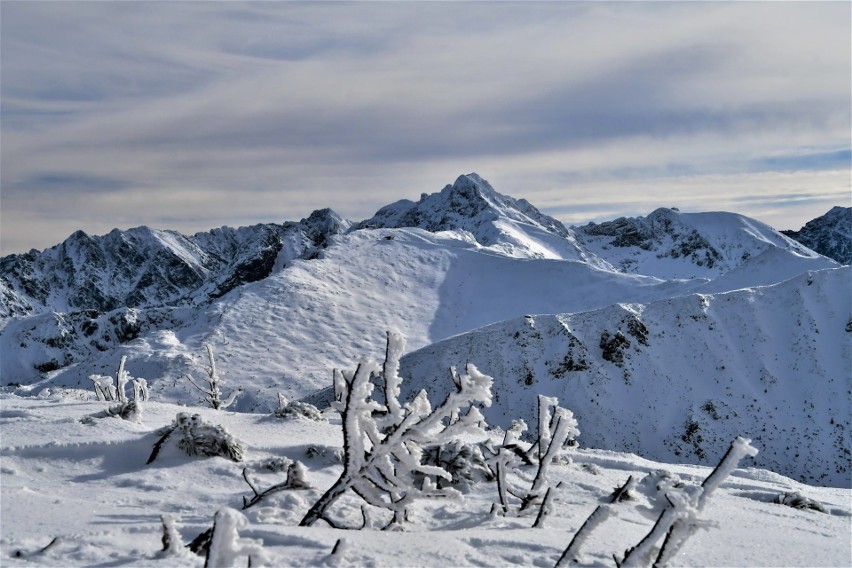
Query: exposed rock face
point(829, 235)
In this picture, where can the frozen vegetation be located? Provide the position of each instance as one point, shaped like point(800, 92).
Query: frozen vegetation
point(87, 486)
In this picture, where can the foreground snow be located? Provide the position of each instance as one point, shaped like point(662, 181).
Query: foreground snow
point(88, 485)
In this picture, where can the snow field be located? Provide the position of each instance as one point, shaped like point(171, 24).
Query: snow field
point(88, 485)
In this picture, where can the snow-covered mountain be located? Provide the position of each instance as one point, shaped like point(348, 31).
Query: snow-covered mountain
point(507, 226)
point(671, 244)
point(284, 304)
point(146, 267)
point(675, 379)
point(287, 331)
point(829, 235)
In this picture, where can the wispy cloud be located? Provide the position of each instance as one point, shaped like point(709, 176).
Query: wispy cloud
point(186, 114)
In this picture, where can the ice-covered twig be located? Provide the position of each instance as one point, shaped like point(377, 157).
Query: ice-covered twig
point(213, 392)
point(572, 552)
point(172, 541)
point(546, 507)
point(740, 448)
point(121, 380)
point(687, 524)
point(623, 493)
point(22, 554)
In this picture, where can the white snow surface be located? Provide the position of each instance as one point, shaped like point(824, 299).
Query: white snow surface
point(87, 485)
point(686, 376)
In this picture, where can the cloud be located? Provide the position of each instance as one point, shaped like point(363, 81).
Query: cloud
point(183, 109)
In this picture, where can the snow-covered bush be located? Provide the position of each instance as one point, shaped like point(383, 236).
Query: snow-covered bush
point(383, 442)
point(297, 409)
point(130, 410)
point(105, 391)
point(798, 501)
point(557, 429)
point(277, 464)
point(197, 437)
point(226, 548)
point(464, 462)
point(213, 391)
point(331, 456)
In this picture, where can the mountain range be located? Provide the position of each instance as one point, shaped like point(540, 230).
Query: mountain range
point(650, 327)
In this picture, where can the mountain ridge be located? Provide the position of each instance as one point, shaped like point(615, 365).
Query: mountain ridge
point(678, 377)
point(145, 267)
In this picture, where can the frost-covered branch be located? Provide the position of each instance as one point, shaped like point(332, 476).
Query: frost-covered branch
point(122, 378)
point(557, 427)
point(213, 392)
point(572, 553)
point(383, 442)
point(679, 519)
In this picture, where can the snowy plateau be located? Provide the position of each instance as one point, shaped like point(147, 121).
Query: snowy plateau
point(666, 337)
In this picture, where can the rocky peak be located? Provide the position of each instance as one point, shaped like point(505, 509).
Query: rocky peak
point(323, 223)
point(830, 235)
point(470, 203)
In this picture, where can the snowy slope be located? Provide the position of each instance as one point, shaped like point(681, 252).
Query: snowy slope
point(829, 235)
point(676, 379)
point(87, 485)
point(288, 331)
point(671, 244)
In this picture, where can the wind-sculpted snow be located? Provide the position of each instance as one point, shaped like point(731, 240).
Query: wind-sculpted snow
point(677, 379)
point(829, 235)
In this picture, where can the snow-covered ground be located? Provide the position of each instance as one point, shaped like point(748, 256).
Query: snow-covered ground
point(86, 483)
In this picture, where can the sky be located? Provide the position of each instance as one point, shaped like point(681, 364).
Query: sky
point(194, 115)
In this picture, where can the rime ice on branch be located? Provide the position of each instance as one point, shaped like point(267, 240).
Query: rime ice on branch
point(214, 381)
point(383, 443)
